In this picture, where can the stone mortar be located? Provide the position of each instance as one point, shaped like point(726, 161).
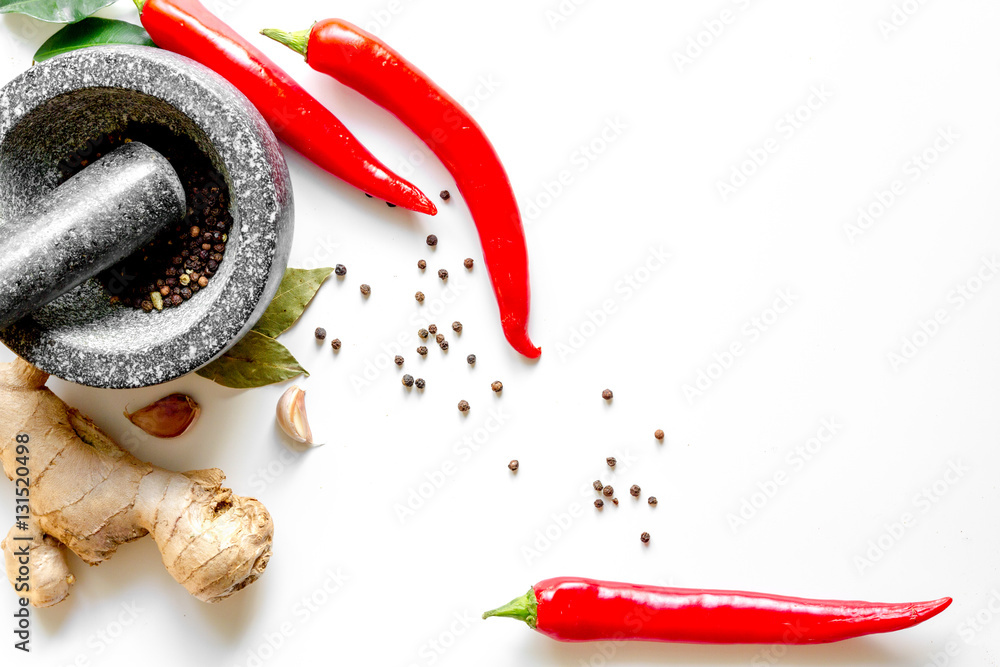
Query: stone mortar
point(58, 105)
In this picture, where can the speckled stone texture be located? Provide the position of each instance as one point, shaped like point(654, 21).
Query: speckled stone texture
point(86, 225)
point(59, 105)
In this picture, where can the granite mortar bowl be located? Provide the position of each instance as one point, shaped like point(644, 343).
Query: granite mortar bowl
point(61, 104)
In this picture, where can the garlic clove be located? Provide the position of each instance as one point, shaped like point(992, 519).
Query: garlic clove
point(291, 415)
point(168, 417)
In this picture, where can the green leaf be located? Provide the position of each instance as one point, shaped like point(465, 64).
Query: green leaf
point(257, 360)
point(297, 289)
point(92, 31)
point(54, 11)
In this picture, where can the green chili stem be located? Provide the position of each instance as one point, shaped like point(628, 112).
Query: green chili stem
point(296, 41)
point(524, 607)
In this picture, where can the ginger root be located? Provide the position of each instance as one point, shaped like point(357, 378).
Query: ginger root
point(88, 494)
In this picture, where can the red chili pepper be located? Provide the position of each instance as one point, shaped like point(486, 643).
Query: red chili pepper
point(300, 120)
point(573, 609)
point(361, 61)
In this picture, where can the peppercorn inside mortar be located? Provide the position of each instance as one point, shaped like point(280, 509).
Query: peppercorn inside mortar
point(182, 258)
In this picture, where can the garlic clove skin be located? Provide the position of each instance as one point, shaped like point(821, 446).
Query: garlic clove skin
point(168, 417)
point(291, 416)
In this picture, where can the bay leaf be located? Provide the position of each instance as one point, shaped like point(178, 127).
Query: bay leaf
point(297, 289)
point(256, 361)
point(54, 11)
point(92, 31)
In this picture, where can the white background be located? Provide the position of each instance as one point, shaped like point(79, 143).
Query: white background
point(662, 135)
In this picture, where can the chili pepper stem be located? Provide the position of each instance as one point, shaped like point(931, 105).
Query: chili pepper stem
point(139, 4)
point(523, 607)
point(296, 41)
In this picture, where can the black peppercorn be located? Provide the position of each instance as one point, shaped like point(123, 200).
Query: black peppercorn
point(463, 406)
point(513, 465)
point(365, 290)
point(421, 264)
point(422, 333)
point(443, 345)
point(607, 395)
point(335, 343)
point(422, 351)
point(614, 500)
point(597, 485)
point(471, 359)
point(340, 270)
point(635, 490)
point(320, 333)
point(497, 386)
point(652, 500)
point(419, 296)
point(658, 434)
point(433, 328)
point(439, 338)
point(645, 538)
point(420, 383)
point(456, 326)
point(445, 195)
point(399, 362)
point(442, 274)
point(407, 380)
point(608, 490)
point(599, 503)
point(432, 240)
point(612, 461)
point(468, 263)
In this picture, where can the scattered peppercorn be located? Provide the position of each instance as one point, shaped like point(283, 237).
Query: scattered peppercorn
point(320, 333)
point(422, 351)
point(513, 465)
point(471, 359)
point(608, 490)
point(439, 338)
point(433, 328)
point(445, 195)
point(456, 326)
point(443, 345)
point(463, 406)
point(398, 360)
point(645, 538)
point(614, 500)
point(335, 343)
point(607, 395)
point(497, 386)
point(421, 264)
point(422, 333)
point(419, 296)
point(468, 263)
point(366, 290)
point(612, 461)
point(443, 274)
point(658, 434)
point(635, 490)
point(420, 383)
point(652, 500)
point(407, 380)
point(597, 485)
point(598, 503)
point(432, 240)
point(340, 270)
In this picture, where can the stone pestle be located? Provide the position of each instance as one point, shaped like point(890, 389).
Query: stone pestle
point(89, 223)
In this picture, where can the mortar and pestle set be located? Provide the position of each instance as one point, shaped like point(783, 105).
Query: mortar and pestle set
point(62, 234)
